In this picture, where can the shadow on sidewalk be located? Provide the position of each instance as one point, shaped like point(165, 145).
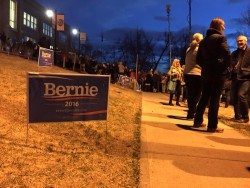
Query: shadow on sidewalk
point(177, 117)
point(174, 105)
point(161, 125)
point(164, 103)
point(201, 161)
point(190, 128)
point(231, 141)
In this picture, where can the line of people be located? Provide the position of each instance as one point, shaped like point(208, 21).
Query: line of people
point(208, 63)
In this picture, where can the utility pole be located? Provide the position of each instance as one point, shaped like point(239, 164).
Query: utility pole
point(55, 42)
point(168, 9)
point(53, 15)
point(102, 39)
point(79, 43)
point(189, 19)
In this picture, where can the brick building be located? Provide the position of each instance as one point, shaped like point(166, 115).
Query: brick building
point(23, 20)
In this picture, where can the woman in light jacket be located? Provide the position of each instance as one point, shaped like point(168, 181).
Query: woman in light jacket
point(176, 75)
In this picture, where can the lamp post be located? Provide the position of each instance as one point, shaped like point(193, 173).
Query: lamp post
point(168, 9)
point(77, 32)
point(53, 13)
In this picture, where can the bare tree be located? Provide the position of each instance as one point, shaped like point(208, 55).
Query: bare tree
point(86, 49)
point(245, 19)
point(243, 22)
point(137, 44)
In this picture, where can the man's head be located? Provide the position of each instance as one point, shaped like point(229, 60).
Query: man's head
point(218, 24)
point(241, 41)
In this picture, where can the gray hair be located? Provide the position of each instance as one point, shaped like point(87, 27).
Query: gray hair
point(243, 37)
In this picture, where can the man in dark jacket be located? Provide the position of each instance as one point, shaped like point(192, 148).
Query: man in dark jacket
point(241, 80)
point(214, 58)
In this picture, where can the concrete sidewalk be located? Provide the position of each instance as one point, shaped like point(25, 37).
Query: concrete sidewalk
point(173, 154)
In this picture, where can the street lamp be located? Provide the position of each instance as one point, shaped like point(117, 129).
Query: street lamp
point(50, 13)
point(53, 14)
point(74, 31)
point(77, 32)
point(168, 9)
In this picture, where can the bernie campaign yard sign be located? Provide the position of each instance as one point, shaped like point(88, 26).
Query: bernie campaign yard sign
point(46, 57)
point(67, 97)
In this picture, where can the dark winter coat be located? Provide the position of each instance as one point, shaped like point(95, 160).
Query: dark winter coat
point(213, 55)
point(243, 56)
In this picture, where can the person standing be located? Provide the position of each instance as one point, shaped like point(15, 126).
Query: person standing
point(121, 68)
point(192, 75)
point(163, 83)
point(175, 74)
point(241, 80)
point(214, 58)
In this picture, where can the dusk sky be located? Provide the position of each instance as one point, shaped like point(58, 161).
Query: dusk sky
point(95, 16)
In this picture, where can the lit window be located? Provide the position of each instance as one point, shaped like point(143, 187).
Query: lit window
point(47, 30)
point(34, 23)
point(24, 18)
point(12, 16)
point(29, 21)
